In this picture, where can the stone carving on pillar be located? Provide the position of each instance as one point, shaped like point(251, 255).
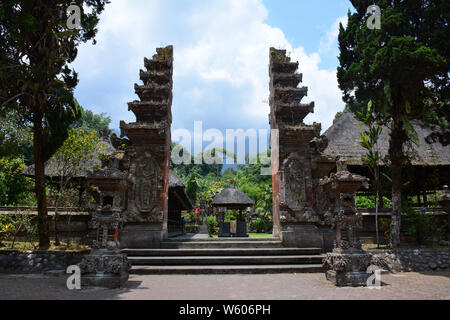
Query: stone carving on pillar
point(347, 264)
point(297, 196)
point(146, 180)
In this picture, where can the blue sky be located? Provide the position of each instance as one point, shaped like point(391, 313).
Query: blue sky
point(221, 50)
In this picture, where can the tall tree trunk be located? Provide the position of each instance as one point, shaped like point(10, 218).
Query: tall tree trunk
point(397, 140)
point(396, 204)
point(39, 177)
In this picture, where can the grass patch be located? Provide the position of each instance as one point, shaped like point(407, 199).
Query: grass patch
point(27, 246)
point(260, 235)
point(253, 235)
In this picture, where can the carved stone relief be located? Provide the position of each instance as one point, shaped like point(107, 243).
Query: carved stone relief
point(146, 185)
point(294, 176)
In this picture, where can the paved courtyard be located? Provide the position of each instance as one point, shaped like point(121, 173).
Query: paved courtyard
point(433, 285)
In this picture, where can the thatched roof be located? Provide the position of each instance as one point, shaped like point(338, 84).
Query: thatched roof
point(177, 188)
point(95, 162)
point(232, 197)
point(344, 136)
point(51, 170)
point(174, 181)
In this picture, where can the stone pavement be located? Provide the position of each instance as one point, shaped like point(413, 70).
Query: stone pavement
point(432, 285)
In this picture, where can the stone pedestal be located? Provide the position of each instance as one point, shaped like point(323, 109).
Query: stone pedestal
point(224, 229)
point(241, 229)
point(348, 268)
point(105, 268)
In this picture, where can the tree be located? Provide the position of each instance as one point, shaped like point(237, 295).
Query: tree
point(369, 141)
point(16, 137)
point(36, 48)
point(403, 68)
point(97, 122)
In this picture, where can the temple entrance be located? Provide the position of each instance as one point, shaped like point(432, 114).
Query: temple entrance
point(154, 197)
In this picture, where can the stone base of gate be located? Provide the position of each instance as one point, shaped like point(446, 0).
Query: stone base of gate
point(142, 236)
point(307, 236)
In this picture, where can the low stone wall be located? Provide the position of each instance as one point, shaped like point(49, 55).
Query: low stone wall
point(404, 260)
point(12, 261)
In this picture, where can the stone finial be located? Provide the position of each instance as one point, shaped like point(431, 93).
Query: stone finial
point(341, 165)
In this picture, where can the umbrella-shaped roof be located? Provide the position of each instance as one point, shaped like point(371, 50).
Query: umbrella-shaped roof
point(232, 197)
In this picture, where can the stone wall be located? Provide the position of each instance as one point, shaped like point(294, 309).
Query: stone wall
point(12, 261)
point(412, 259)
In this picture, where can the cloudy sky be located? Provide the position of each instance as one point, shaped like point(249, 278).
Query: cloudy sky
point(221, 50)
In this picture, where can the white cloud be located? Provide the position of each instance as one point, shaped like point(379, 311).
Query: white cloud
point(216, 43)
point(327, 43)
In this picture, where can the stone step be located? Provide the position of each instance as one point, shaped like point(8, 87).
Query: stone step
point(221, 244)
point(221, 252)
point(226, 260)
point(225, 239)
point(227, 269)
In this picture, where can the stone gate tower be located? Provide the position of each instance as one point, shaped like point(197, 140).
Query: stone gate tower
point(299, 203)
point(147, 154)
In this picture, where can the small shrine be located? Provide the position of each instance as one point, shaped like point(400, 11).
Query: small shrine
point(105, 266)
point(347, 264)
point(232, 199)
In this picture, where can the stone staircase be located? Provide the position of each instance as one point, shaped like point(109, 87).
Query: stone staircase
point(224, 255)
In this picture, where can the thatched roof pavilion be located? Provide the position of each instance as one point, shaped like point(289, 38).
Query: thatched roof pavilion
point(430, 162)
point(232, 198)
point(178, 198)
point(343, 141)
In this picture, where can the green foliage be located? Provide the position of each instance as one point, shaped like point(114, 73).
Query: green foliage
point(230, 215)
point(399, 66)
point(192, 187)
point(80, 147)
point(90, 121)
point(20, 223)
point(261, 225)
point(14, 187)
point(185, 170)
point(212, 225)
point(423, 227)
point(204, 182)
point(369, 202)
point(16, 137)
